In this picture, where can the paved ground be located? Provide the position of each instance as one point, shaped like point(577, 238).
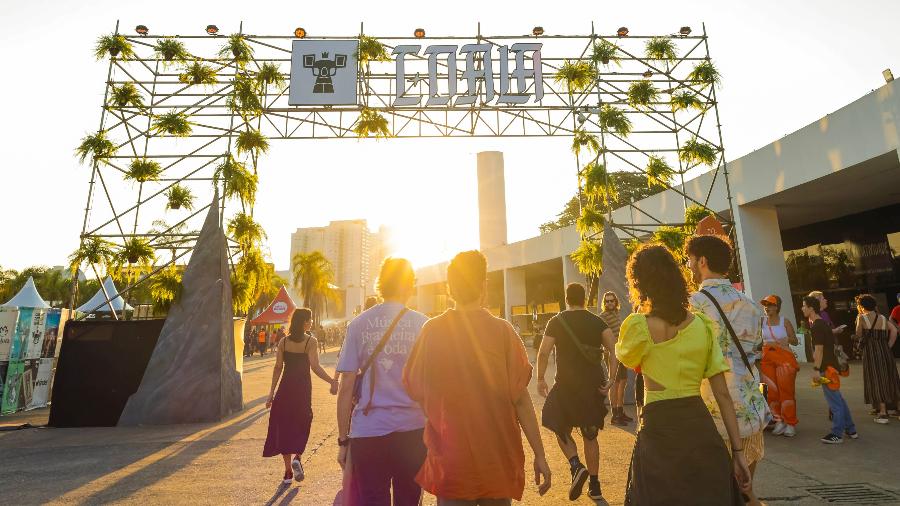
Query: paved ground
point(221, 463)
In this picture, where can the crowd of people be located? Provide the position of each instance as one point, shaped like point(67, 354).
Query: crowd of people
point(441, 404)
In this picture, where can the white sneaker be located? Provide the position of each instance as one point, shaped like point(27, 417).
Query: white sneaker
point(298, 469)
point(779, 429)
point(790, 431)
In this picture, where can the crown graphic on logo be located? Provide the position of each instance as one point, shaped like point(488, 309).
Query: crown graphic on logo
point(324, 54)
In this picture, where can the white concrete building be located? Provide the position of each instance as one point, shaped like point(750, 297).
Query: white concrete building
point(817, 209)
point(354, 252)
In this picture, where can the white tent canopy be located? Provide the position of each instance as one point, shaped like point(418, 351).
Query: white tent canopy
point(98, 299)
point(28, 296)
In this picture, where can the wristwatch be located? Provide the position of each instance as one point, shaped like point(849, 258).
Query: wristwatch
point(343, 441)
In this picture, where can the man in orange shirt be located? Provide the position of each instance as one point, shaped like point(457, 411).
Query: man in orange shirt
point(469, 372)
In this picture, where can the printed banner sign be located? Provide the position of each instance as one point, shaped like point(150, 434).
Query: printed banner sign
point(52, 327)
point(35, 338)
point(12, 388)
point(323, 72)
point(40, 394)
point(8, 318)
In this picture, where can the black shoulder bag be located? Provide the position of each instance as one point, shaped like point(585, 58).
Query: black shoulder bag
point(357, 386)
point(731, 331)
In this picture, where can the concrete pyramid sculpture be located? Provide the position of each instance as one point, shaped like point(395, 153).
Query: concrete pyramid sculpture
point(28, 296)
point(99, 304)
point(191, 376)
point(615, 256)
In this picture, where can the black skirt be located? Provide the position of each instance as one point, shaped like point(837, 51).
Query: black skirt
point(568, 407)
point(680, 458)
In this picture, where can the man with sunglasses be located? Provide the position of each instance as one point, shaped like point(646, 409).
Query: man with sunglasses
point(612, 316)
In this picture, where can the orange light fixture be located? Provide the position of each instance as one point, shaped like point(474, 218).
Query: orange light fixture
point(300, 32)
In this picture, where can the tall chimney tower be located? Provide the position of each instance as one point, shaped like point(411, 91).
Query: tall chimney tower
point(491, 200)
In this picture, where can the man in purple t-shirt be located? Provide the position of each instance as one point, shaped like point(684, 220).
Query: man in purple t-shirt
point(384, 431)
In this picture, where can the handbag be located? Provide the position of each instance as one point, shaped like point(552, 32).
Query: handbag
point(595, 355)
point(357, 386)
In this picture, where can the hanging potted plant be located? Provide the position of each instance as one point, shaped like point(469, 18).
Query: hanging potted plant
point(245, 231)
point(614, 119)
point(198, 73)
point(598, 183)
point(115, 46)
point(642, 93)
point(685, 99)
point(659, 172)
point(97, 146)
point(269, 74)
point(244, 97)
point(172, 123)
point(126, 95)
point(143, 170)
point(237, 48)
point(237, 180)
point(697, 152)
point(605, 53)
point(590, 221)
point(170, 50)
point(371, 122)
point(582, 139)
point(179, 196)
point(253, 142)
point(577, 75)
point(661, 49)
point(705, 72)
point(371, 49)
point(137, 250)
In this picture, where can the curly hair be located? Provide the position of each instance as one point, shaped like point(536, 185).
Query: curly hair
point(654, 277)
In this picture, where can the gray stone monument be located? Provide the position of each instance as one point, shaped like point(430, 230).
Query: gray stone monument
point(191, 376)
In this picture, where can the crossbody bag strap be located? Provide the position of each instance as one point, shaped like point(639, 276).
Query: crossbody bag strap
point(578, 343)
point(368, 364)
point(731, 331)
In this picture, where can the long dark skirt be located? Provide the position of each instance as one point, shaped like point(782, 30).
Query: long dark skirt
point(679, 458)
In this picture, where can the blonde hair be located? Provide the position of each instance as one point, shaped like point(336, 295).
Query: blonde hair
point(396, 276)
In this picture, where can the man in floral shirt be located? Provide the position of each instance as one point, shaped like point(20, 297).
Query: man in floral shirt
point(709, 258)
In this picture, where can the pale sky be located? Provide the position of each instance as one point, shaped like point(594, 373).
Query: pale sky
point(784, 65)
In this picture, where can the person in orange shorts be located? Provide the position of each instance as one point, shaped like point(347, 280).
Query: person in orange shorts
point(779, 366)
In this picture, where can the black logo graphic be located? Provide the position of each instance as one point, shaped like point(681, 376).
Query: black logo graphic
point(324, 69)
point(4, 331)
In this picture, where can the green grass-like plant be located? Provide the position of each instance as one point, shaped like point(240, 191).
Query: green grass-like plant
point(371, 123)
point(198, 73)
point(697, 152)
point(614, 119)
point(661, 49)
point(97, 146)
point(143, 170)
point(178, 197)
point(642, 93)
point(116, 46)
point(577, 75)
point(171, 50)
point(172, 123)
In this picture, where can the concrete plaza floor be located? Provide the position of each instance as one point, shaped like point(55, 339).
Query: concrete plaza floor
point(222, 464)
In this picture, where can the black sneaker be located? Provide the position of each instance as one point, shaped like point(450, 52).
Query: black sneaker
point(851, 435)
point(579, 476)
point(831, 439)
point(618, 420)
point(625, 417)
point(594, 491)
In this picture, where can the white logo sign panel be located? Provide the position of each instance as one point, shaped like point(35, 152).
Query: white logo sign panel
point(279, 307)
point(323, 72)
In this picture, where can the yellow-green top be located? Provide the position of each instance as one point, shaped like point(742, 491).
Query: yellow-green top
point(679, 364)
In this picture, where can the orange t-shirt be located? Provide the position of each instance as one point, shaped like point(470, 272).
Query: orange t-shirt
point(466, 370)
point(262, 337)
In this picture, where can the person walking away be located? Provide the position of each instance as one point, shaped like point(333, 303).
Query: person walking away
point(738, 322)
point(613, 320)
point(248, 341)
point(377, 421)
point(881, 384)
point(679, 456)
point(291, 416)
point(826, 372)
point(261, 342)
point(779, 366)
point(578, 398)
point(470, 373)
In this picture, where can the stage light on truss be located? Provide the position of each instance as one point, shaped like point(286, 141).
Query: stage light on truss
point(212, 29)
point(537, 31)
point(581, 118)
point(647, 74)
point(300, 32)
point(419, 33)
point(684, 31)
point(622, 31)
point(142, 29)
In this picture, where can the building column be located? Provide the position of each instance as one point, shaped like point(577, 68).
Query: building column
point(571, 274)
point(762, 255)
point(513, 290)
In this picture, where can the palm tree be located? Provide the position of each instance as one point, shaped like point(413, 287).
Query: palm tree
point(179, 196)
point(96, 252)
point(97, 146)
point(590, 221)
point(659, 172)
point(371, 122)
point(244, 97)
point(588, 259)
point(577, 75)
point(126, 95)
point(165, 288)
point(176, 236)
point(613, 118)
point(270, 74)
point(253, 142)
point(661, 49)
point(238, 49)
point(642, 93)
point(170, 49)
point(697, 152)
point(172, 123)
point(143, 170)
point(113, 45)
point(583, 139)
point(312, 273)
point(238, 181)
point(685, 100)
point(706, 72)
point(198, 73)
point(245, 231)
point(604, 53)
